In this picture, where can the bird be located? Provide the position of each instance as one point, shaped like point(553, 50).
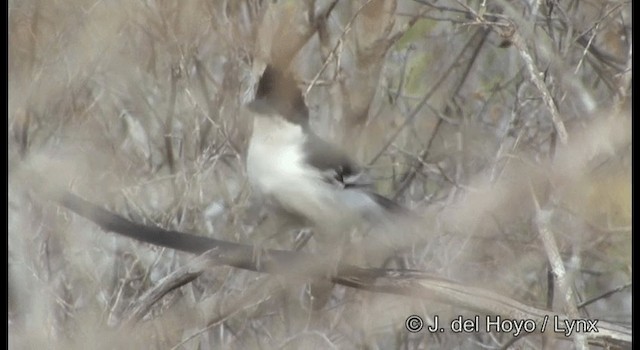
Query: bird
point(297, 169)
point(304, 176)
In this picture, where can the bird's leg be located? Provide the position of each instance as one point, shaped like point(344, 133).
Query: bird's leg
point(276, 225)
point(302, 238)
point(265, 231)
point(337, 252)
point(331, 242)
point(257, 254)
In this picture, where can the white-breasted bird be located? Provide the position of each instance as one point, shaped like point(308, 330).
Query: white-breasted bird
point(303, 175)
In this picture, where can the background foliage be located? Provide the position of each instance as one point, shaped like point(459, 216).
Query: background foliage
point(456, 107)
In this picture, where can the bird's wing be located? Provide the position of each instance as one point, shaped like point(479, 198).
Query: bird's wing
point(341, 171)
point(337, 167)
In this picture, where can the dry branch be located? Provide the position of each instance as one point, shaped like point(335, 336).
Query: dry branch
point(509, 31)
point(410, 283)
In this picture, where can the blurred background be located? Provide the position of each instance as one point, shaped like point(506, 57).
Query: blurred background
point(494, 120)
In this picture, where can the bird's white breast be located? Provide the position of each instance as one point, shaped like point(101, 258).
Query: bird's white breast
point(276, 167)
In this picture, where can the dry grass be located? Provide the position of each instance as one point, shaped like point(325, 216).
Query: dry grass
point(136, 106)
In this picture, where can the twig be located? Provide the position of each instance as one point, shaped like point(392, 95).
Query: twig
point(510, 32)
point(604, 295)
point(420, 104)
point(557, 266)
point(174, 281)
point(246, 300)
point(346, 30)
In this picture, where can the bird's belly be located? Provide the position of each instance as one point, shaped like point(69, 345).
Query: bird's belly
point(281, 175)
